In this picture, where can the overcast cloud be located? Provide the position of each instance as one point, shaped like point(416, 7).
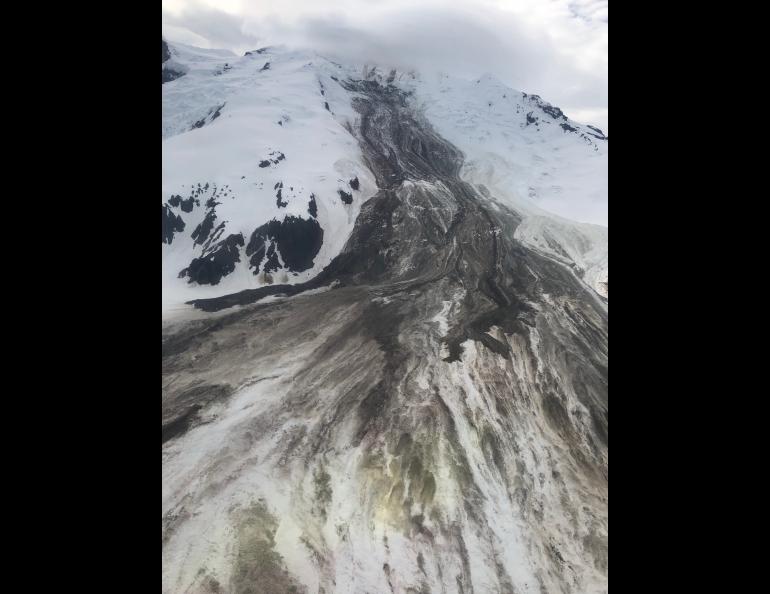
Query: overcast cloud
point(554, 48)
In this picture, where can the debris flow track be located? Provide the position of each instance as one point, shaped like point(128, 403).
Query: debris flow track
point(429, 414)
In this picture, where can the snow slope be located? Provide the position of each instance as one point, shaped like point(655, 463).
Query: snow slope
point(271, 128)
point(527, 154)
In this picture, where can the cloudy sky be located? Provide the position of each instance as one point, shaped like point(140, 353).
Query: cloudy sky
point(554, 48)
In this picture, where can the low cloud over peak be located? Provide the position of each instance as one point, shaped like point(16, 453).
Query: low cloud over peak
point(555, 49)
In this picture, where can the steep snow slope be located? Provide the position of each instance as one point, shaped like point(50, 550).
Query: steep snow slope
point(526, 149)
point(247, 142)
point(526, 153)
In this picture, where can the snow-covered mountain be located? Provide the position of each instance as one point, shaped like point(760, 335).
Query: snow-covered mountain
point(265, 137)
point(385, 338)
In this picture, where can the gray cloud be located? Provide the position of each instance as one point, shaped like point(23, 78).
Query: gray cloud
point(220, 29)
point(589, 10)
point(557, 50)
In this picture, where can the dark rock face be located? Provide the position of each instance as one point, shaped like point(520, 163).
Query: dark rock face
point(558, 114)
point(218, 256)
point(474, 368)
point(273, 159)
point(256, 248)
point(354, 183)
point(598, 133)
point(169, 74)
point(298, 241)
point(279, 202)
point(554, 112)
point(346, 197)
point(172, 223)
point(551, 110)
point(312, 207)
point(272, 264)
point(186, 205)
point(210, 117)
point(201, 233)
point(217, 262)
